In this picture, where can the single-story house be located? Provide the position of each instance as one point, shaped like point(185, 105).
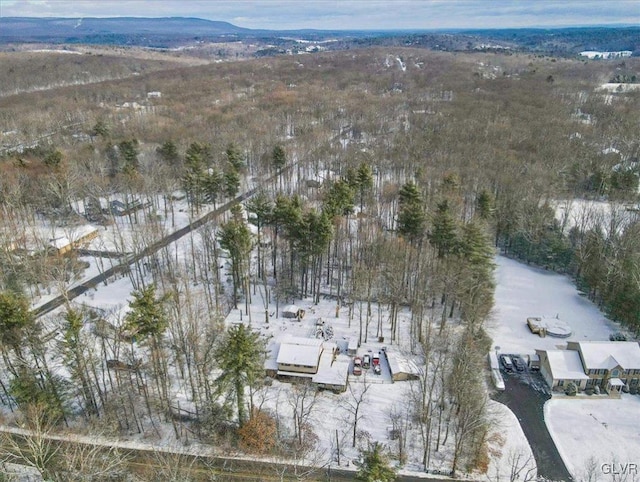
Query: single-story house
point(561, 367)
point(271, 360)
point(298, 356)
point(332, 367)
point(609, 364)
point(73, 238)
point(402, 368)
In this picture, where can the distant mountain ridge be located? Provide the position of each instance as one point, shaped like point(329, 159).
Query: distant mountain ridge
point(176, 31)
point(32, 29)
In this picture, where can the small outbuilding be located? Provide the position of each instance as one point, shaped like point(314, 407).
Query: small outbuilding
point(292, 311)
point(402, 368)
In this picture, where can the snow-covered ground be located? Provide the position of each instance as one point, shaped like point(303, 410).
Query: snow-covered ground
point(595, 54)
point(523, 291)
point(587, 214)
point(508, 446)
point(587, 432)
point(619, 87)
point(591, 435)
point(330, 416)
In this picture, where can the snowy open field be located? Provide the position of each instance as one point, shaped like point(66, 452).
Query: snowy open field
point(586, 214)
point(590, 433)
point(523, 291)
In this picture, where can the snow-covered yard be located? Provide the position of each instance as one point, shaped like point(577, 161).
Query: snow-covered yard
point(593, 434)
point(523, 291)
point(508, 446)
point(587, 432)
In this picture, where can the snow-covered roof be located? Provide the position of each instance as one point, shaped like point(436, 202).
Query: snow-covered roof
point(332, 371)
point(566, 365)
point(606, 355)
point(60, 242)
point(300, 351)
point(493, 360)
point(73, 235)
point(301, 340)
point(401, 364)
point(290, 309)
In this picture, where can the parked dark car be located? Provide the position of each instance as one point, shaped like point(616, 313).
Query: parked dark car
point(518, 363)
point(506, 362)
point(366, 361)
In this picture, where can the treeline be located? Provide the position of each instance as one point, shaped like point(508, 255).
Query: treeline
point(598, 246)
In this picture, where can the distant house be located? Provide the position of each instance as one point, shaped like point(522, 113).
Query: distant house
point(74, 239)
point(298, 356)
point(609, 364)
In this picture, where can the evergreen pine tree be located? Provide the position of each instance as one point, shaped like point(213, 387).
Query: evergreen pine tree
point(235, 237)
point(235, 157)
point(240, 357)
point(365, 181)
point(279, 157)
point(443, 233)
point(411, 216)
point(168, 152)
point(375, 465)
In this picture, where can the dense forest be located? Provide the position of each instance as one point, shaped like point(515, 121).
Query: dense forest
point(432, 163)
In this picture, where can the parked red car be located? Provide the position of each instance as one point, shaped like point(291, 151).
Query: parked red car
point(376, 359)
point(357, 366)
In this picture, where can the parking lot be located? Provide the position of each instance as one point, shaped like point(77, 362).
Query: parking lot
point(368, 374)
point(526, 376)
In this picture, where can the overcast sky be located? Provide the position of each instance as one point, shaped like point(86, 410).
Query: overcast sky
point(348, 14)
